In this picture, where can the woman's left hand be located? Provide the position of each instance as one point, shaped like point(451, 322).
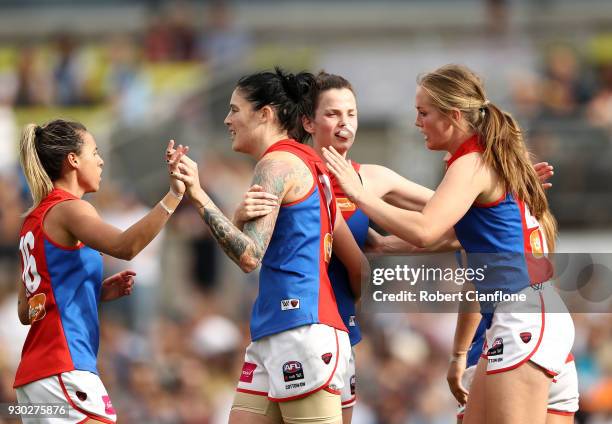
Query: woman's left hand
point(544, 172)
point(344, 173)
point(118, 285)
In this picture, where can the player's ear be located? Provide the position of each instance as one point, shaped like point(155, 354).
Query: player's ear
point(308, 124)
point(266, 114)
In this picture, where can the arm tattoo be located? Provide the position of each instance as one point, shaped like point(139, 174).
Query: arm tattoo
point(231, 239)
point(251, 244)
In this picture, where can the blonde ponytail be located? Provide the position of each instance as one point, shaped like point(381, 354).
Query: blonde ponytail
point(38, 180)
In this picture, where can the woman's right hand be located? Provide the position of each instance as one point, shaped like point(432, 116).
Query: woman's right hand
point(255, 203)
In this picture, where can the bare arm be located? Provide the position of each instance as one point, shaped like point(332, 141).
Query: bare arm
point(462, 184)
point(347, 250)
point(377, 243)
point(468, 319)
point(23, 308)
point(247, 247)
point(81, 220)
point(393, 188)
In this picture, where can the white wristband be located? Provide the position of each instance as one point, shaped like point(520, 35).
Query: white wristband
point(166, 208)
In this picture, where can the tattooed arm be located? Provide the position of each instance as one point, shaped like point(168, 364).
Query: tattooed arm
point(274, 173)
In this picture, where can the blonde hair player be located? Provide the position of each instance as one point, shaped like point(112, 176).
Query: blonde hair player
point(61, 242)
point(491, 195)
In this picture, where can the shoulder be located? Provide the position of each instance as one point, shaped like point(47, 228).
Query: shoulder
point(470, 162)
point(71, 209)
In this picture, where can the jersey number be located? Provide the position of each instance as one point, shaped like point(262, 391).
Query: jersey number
point(30, 275)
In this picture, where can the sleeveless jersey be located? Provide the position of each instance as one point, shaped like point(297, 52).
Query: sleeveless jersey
point(63, 286)
point(294, 288)
point(503, 238)
point(358, 223)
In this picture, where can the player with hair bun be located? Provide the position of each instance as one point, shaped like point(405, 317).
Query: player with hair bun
point(300, 348)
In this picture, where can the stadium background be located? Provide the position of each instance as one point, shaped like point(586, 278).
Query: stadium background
point(140, 72)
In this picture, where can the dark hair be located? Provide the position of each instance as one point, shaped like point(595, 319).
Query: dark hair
point(289, 94)
point(42, 151)
point(325, 82)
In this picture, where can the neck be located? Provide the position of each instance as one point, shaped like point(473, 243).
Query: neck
point(70, 185)
point(269, 140)
point(457, 141)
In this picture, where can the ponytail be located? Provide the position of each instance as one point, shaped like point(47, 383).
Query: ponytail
point(38, 180)
point(505, 152)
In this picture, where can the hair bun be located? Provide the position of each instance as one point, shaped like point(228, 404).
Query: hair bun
point(290, 85)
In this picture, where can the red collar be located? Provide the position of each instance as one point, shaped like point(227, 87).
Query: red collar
point(470, 145)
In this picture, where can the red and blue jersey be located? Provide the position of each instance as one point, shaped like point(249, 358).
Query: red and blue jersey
point(358, 222)
point(63, 287)
point(503, 238)
point(294, 288)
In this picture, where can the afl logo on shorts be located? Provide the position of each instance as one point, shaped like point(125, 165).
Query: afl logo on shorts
point(497, 348)
point(37, 307)
point(292, 370)
point(353, 385)
point(327, 245)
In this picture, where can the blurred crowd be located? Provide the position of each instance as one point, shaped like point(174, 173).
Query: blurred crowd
point(172, 352)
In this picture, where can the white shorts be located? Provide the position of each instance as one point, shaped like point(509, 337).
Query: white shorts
point(82, 390)
point(525, 331)
point(296, 363)
point(563, 394)
point(348, 394)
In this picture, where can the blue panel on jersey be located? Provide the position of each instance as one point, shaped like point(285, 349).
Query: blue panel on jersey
point(493, 236)
point(76, 279)
point(358, 224)
point(290, 271)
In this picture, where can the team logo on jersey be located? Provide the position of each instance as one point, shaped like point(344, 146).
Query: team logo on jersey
point(345, 204)
point(292, 371)
point(352, 322)
point(288, 304)
point(497, 348)
point(353, 384)
point(327, 357)
point(525, 337)
point(37, 307)
point(248, 369)
point(327, 246)
point(535, 240)
point(108, 405)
